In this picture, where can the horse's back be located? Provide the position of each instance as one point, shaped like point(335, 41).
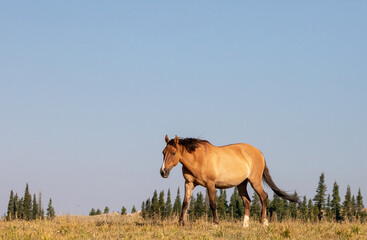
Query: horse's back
point(242, 151)
point(236, 162)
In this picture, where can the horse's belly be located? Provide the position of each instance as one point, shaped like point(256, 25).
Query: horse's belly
point(228, 180)
point(229, 183)
point(225, 185)
point(231, 175)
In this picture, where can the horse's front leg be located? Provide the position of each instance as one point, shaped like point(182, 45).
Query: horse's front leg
point(213, 203)
point(189, 186)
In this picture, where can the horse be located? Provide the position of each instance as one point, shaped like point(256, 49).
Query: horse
point(222, 167)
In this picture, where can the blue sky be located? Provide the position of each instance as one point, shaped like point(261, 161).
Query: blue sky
point(88, 91)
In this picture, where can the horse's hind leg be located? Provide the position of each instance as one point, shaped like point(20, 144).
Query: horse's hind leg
point(242, 190)
point(257, 186)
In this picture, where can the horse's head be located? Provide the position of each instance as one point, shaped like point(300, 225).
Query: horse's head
point(171, 156)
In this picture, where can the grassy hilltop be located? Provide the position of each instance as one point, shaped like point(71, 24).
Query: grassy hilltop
point(114, 226)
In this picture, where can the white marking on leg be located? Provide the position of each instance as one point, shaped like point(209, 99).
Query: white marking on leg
point(246, 221)
point(265, 223)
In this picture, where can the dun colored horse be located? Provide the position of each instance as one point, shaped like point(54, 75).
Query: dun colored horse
point(220, 167)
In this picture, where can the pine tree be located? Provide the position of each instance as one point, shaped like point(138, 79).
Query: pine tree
point(123, 210)
point(92, 212)
point(142, 209)
point(18, 207)
point(161, 205)
point(354, 207)
point(168, 206)
point(222, 204)
point(255, 206)
point(98, 212)
point(360, 205)
point(133, 209)
point(239, 208)
point(304, 209)
point(320, 196)
point(328, 208)
point(232, 204)
point(225, 201)
point(34, 208)
point(347, 204)
point(274, 206)
point(310, 208)
point(10, 212)
point(41, 212)
point(293, 211)
point(285, 209)
point(50, 210)
point(268, 203)
point(177, 203)
point(335, 203)
point(199, 208)
point(155, 204)
point(191, 208)
point(148, 209)
point(278, 207)
point(106, 210)
point(315, 213)
point(27, 204)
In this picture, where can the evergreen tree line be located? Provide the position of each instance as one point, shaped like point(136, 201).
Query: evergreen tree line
point(94, 212)
point(27, 209)
point(123, 210)
point(325, 207)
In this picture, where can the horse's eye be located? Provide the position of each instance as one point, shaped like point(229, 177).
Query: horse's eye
point(173, 154)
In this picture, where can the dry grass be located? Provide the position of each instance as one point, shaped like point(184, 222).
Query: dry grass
point(134, 227)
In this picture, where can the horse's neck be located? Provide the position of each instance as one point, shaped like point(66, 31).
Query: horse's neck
point(188, 160)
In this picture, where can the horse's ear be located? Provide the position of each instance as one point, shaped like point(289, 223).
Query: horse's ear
point(176, 140)
point(167, 139)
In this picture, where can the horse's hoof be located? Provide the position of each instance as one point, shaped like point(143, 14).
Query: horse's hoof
point(245, 225)
point(246, 222)
point(215, 224)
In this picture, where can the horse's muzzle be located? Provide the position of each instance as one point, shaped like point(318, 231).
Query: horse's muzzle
point(164, 173)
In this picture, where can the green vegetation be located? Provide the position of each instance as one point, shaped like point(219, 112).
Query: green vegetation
point(177, 204)
point(133, 209)
point(50, 210)
point(319, 198)
point(27, 203)
point(322, 207)
point(335, 204)
point(24, 208)
point(123, 210)
point(318, 208)
point(320, 217)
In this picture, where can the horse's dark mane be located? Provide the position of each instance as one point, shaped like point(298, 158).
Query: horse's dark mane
point(190, 144)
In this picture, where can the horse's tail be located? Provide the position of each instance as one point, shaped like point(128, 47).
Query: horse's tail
point(268, 180)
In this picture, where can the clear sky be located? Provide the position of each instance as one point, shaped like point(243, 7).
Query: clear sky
point(88, 90)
